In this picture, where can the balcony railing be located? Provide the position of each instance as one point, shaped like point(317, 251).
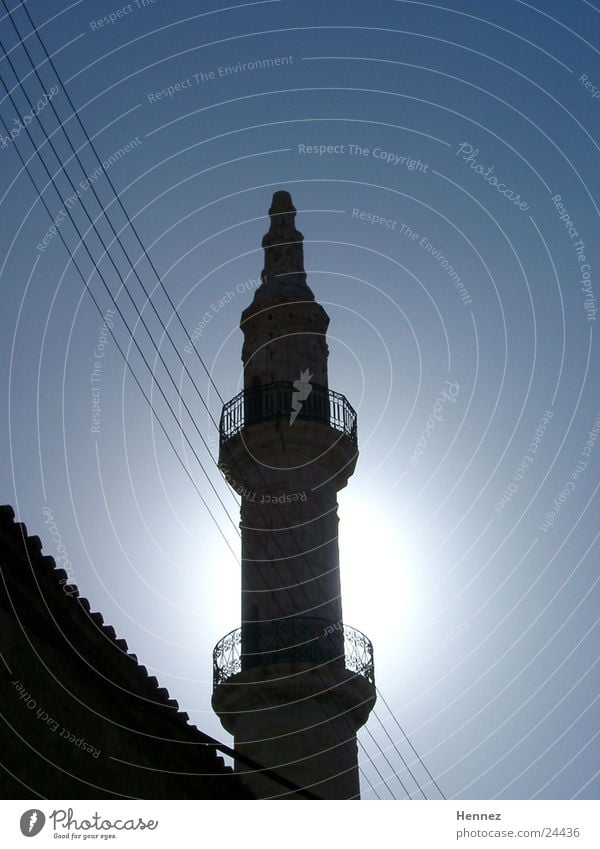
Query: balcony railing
point(274, 401)
point(294, 640)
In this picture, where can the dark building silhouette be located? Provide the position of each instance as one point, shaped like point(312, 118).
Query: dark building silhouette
point(80, 717)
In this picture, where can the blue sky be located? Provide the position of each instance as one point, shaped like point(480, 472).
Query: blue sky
point(483, 611)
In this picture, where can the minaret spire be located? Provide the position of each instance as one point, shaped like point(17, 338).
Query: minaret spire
point(283, 274)
point(284, 252)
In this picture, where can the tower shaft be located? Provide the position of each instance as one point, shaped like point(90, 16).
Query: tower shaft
point(294, 684)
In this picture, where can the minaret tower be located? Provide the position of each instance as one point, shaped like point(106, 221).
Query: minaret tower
point(293, 684)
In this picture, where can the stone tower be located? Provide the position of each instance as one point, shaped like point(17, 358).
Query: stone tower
point(293, 684)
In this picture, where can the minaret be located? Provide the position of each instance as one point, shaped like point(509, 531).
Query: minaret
point(293, 684)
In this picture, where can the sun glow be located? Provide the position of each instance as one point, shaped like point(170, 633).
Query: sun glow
point(376, 571)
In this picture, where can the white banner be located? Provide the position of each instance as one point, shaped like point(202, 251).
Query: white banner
point(411, 824)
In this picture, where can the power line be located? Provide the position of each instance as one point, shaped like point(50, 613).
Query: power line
point(405, 735)
point(117, 195)
point(370, 733)
point(368, 780)
point(109, 257)
point(403, 761)
point(101, 276)
point(127, 362)
point(378, 771)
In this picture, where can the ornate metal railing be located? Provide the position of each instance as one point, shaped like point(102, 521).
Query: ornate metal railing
point(274, 401)
point(295, 640)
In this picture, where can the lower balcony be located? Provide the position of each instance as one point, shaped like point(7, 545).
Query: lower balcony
point(300, 640)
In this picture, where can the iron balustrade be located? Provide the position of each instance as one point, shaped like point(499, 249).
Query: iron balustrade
point(294, 640)
point(274, 401)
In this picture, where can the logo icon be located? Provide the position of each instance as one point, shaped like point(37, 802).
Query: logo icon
point(302, 389)
point(32, 822)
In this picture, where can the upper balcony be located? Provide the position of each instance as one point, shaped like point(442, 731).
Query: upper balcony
point(274, 401)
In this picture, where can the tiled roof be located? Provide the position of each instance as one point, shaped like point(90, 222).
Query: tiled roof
point(52, 615)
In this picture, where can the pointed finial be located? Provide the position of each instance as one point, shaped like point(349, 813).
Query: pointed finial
point(282, 204)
